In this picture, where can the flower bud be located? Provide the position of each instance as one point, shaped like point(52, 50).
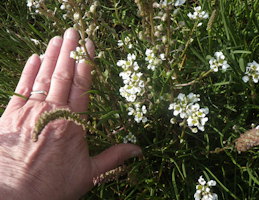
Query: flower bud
point(76, 16)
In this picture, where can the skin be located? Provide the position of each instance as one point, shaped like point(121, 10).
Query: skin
point(57, 166)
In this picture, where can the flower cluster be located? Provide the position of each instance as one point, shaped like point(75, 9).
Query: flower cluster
point(152, 60)
point(218, 61)
point(133, 88)
point(79, 55)
point(252, 71)
point(198, 14)
point(138, 112)
point(35, 4)
point(130, 138)
point(203, 190)
point(188, 109)
point(80, 13)
point(132, 78)
point(126, 42)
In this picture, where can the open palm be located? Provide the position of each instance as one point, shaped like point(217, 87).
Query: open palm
point(58, 165)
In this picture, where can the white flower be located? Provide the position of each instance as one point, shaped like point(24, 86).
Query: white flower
point(29, 3)
point(36, 42)
point(76, 16)
point(188, 108)
point(120, 63)
point(203, 190)
point(126, 42)
point(179, 2)
point(79, 55)
point(152, 67)
point(171, 106)
point(34, 4)
point(152, 60)
point(225, 65)
point(218, 62)
point(162, 56)
point(198, 14)
point(219, 56)
point(63, 7)
point(252, 71)
point(181, 96)
point(131, 57)
point(131, 111)
point(212, 183)
point(138, 112)
point(150, 55)
point(172, 120)
point(120, 43)
point(130, 138)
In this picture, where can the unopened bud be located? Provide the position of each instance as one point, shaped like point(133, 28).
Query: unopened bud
point(157, 34)
point(76, 16)
point(156, 5)
point(164, 39)
point(164, 17)
point(93, 9)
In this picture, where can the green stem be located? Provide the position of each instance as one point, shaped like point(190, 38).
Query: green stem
point(188, 43)
point(196, 80)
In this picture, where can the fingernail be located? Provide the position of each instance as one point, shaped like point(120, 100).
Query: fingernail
point(71, 34)
point(137, 153)
point(57, 41)
point(32, 59)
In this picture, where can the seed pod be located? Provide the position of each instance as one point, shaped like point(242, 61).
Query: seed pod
point(247, 140)
point(211, 20)
point(47, 117)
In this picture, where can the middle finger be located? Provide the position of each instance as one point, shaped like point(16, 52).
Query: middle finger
point(63, 74)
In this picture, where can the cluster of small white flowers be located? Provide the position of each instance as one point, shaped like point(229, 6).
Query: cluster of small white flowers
point(35, 4)
point(188, 109)
point(132, 78)
point(130, 138)
point(252, 71)
point(139, 112)
point(198, 14)
point(152, 60)
point(79, 55)
point(133, 88)
point(203, 190)
point(218, 61)
point(126, 42)
point(165, 3)
point(64, 4)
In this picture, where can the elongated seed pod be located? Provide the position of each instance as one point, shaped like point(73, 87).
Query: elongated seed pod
point(212, 19)
point(110, 175)
point(247, 140)
point(47, 117)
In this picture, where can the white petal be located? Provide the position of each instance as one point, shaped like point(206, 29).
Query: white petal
point(245, 79)
point(179, 2)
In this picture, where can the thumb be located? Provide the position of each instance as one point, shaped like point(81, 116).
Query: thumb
point(113, 157)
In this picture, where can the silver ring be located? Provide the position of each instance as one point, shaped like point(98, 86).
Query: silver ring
point(39, 92)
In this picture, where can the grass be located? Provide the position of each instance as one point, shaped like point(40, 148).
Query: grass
point(172, 164)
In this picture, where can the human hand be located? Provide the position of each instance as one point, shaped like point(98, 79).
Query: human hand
point(58, 165)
